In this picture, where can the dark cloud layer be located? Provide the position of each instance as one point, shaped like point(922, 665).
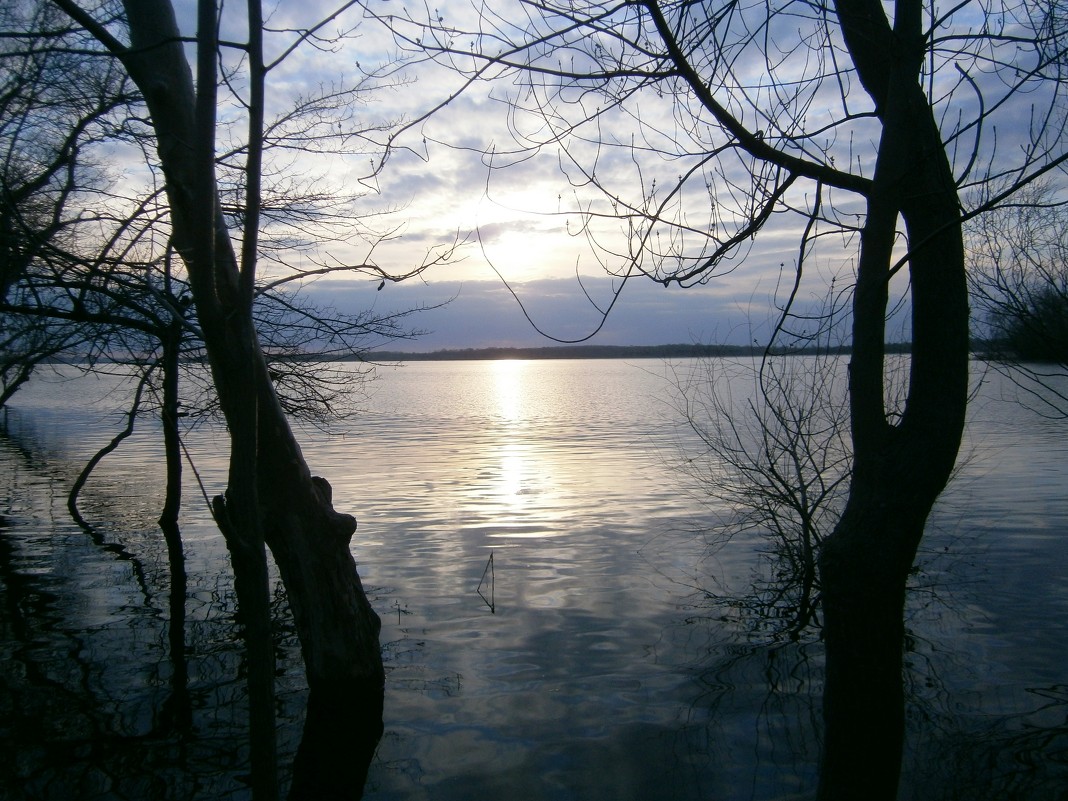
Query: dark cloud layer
point(485, 313)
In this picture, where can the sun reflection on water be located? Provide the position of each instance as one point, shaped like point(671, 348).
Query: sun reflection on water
point(594, 653)
point(512, 469)
point(509, 388)
point(515, 468)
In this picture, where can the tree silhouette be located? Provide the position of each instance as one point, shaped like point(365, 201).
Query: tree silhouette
point(216, 211)
point(1019, 277)
point(686, 131)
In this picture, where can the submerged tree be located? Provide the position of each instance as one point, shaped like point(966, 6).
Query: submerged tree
point(774, 431)
point(1019, 277)
point(271, 495)
point(685, 130)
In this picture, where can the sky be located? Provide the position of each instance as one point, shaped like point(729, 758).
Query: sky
point(484, 313)
point(521, 276)
point(523, 272)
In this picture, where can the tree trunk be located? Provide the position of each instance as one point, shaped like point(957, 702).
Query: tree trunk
point(177, 709)
point(341, 733)
point(172, 447)
point(338, 629)
point(289, 508)
point(308, 538)
point(899, 469)
point(230, 312)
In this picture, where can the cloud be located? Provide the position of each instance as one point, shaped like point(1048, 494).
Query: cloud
point(485, 313)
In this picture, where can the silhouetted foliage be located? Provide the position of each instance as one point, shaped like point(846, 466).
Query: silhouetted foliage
point(1038, 332)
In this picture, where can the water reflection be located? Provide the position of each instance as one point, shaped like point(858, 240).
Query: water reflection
point(603, 673)
point(509, 388)
point(516, 475)
point(104, 693)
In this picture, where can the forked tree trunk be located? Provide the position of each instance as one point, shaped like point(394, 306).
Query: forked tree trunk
point(899, 468)
point(309, 540)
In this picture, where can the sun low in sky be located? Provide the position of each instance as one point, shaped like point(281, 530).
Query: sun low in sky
point(524, 267)
point(533, 254)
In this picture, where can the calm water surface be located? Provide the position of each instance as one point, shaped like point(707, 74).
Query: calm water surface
point(541, 566)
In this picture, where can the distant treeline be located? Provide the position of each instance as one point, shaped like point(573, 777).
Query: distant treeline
point(677, 351)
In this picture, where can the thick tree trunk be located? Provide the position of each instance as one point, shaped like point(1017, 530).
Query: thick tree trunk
point(289, 508)
point(863, 701)
point(899, 469)
point(341, 733)
point(309, 540)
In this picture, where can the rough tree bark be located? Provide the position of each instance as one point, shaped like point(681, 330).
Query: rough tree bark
point(899, 467)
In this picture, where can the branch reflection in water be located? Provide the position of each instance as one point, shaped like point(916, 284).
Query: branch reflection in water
point(123, 671)
point(606, 670)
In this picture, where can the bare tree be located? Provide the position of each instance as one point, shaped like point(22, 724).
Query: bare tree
point(1018, 270)
point(776, 455)
point(92, 278)
point(55, 104)
point(271, 496)
point(686, 130)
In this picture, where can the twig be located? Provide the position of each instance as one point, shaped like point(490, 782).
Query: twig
point(492, 583)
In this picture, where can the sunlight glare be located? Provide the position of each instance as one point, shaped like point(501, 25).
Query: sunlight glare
point(508, 386)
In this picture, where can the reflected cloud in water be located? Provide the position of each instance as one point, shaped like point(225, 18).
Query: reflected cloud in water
point(601, 672)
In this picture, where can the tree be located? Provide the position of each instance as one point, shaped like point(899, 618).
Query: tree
point(271, 495)
point(1019, 277)
point(777, 457)
point(54, 106)
point(685, 131)
point(87, 282)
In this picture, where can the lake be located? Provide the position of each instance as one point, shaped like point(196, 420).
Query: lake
point(557, 612)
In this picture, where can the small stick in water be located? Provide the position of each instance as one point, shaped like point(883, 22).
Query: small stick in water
point(492, 584)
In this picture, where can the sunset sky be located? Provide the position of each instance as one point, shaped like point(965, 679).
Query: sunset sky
point(514, 224)
point(438, 183)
